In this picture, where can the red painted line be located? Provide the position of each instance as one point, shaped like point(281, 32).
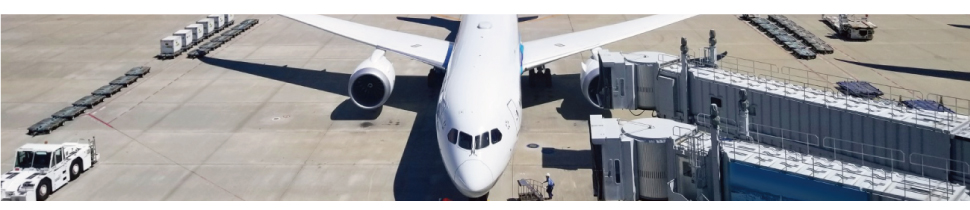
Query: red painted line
point(102, 122)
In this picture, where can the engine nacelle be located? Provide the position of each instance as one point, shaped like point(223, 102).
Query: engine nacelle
point(590, 80)
point(373, 81)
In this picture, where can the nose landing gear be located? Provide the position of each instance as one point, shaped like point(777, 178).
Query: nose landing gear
point(540, 75)
point(483, 198)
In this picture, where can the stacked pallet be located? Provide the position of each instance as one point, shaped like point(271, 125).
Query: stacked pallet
point(817, 44)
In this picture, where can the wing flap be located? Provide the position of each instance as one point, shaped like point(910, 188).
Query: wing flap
point(428, 50)
point(541, 51)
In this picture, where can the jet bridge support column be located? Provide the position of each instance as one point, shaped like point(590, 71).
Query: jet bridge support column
point(744, 110)
point(714, 157)
point(712, 51)
point(683, 84)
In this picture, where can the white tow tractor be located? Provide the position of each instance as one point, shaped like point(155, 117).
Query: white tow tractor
point(41, 169)
point(851, 27)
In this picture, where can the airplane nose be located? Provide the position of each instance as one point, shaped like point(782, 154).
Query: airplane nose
point(475, 176)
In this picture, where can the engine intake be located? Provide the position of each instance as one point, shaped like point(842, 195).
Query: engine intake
point(590, 81)
point(372, 83)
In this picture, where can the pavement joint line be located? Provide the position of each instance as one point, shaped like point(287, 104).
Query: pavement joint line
point(202, 164)
point(133, 139)
point(303, 166)
point(150, 96)
point(870, 69)
point(180, 104)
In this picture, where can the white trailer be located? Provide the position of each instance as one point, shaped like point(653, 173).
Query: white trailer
point(197, 32)
point(171, 46)
point(186, 36)
point(42, 169)
point(208, 27)
point(230, 19)
point(219, 21)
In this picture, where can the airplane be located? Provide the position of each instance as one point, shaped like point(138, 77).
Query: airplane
point(479, 105)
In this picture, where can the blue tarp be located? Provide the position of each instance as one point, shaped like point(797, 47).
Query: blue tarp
point(926, 105)
point(859, 89)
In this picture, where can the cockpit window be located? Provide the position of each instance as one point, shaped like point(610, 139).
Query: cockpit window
point(496, 136)
point(485, 141)
point(464, 140)
point(453, 136)
point(478, 142)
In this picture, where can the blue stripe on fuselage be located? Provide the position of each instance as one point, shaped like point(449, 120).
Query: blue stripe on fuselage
point(521, 55)
point(448, 56)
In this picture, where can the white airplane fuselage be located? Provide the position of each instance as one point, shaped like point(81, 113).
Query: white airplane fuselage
point(480, 95)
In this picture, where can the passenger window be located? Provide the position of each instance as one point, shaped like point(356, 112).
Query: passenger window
point(464, 140)
point(496, 136)
point(485, 142)
point(687, 169)
point(453, 136)
point(616, 170)
point(58, 157)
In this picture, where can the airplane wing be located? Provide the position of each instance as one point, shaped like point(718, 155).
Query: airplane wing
point(542, 51)
point(428, 50)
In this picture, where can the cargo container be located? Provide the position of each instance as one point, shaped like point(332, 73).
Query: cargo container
point(230, 19)
point(186, 36)
point(219, 21)
point(171, 46)
point(208, 27)
point(197, 32)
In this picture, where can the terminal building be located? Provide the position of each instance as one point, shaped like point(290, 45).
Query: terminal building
point(725, 134)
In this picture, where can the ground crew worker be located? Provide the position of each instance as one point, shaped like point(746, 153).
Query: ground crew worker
point(549, 186)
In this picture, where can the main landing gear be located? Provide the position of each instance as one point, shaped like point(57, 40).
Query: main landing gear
point(436, 76)
point(540, 76)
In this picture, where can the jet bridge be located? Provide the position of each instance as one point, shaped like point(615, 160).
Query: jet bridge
point(894, 134)
point(880, 133)
point(612, 80)
point(661, 159)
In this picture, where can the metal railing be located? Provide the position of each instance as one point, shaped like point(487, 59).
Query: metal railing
point(693, 143)
point(847, 171)
point(825, 82)
point(922, 164)
point(822, 83)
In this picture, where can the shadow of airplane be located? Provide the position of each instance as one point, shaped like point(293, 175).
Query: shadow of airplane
point(421, 174)
point(957, 75)
point(960, 26)
point(566, 159)
point(451, 25)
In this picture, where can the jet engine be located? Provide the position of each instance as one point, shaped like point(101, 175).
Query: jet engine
point(591, 85)
point(371, 84)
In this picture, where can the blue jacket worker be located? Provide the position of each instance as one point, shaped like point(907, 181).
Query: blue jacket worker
point(550, 186)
